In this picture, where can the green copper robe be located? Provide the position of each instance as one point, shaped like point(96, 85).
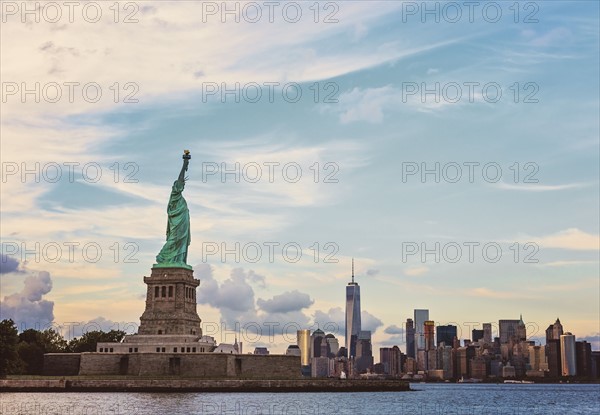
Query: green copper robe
point(174, 252)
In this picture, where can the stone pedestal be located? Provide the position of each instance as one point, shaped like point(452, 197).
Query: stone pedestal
point(171, 303)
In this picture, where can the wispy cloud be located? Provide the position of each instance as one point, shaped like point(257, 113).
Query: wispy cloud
point(540, 187)
point(496, 294)
point(416, 271)
point(566, 263)
point(572, 238)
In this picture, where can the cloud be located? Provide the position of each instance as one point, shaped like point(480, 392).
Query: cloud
point(393, 329)
point(416, 271)
point(360, 31)
point(234, 294)
point(336, 316)
point(594, 339)
point(370, 104)
point(366, 104)
point(285, 302)
point(250, 276)
point(539, 187)
point(36, 287)
point(27, 308)
point(566, 263)
point(558, 35)
point(8, 264)
point(76, 329)
point(571, 238)
point(235, 300)
point(333, 318)
point(369, 321)
point(372, 272)
point(487, 293)
point(396, 340)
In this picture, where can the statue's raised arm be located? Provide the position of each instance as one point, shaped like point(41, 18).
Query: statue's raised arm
point(186, 162)
point(174, 252)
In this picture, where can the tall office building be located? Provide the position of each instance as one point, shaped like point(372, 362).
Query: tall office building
point(364, 352)
point(390, 358)
point(487, 333)
point(508, 330)
point(461, 362)
point(446, 358)
point(537, 358)
point(446, 334)
point(521, 330)
point(476, 335)
point(315, 342)
point(420, 317)
point(410, 338)
point(554, 331)
point(303, 342)
point(567, 355)
point(428, 333)
point(554, 358)
point(353, 325)
point(583, 356)
point(333, 346)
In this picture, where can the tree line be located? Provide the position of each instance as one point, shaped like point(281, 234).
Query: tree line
point(23, 353)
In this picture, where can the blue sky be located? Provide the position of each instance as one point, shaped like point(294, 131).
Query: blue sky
point(371, 60)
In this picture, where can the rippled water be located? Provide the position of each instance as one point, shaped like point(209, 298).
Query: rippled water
point(476, 399)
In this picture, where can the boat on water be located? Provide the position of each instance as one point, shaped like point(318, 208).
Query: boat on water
point(470, 380)
point(518, 381)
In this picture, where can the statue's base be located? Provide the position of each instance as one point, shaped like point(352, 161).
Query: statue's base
point(172, 265)
point(171, 302)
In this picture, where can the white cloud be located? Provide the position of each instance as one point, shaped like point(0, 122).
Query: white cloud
point(572, 238)
point(393, 329)
point(28, 308)
point(416, 271)
point(539, 187)
point(366, 105)
point(566, 263)
point(502, 295)
point(285, 302)
point(557, 35)
point(371, 104)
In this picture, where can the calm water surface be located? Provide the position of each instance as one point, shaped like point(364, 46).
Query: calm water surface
point(476, 399)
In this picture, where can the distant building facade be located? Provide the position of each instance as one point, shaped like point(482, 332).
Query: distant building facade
point(391, 358)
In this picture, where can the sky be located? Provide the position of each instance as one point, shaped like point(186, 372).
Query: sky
point(451, 149)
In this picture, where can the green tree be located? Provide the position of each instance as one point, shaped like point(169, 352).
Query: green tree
point(53, 342)
point(32, 356)
point(10, 363)
point(88, 342)
point(33, 344)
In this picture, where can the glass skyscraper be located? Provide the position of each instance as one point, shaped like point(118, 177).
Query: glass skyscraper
point(567, 355)
point(508, 330)
point(410, 338)
point(421, 316)
point(446, 334)
point(353, 326)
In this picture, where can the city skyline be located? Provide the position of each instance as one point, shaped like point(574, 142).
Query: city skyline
point(503, 330)
point(380, 167)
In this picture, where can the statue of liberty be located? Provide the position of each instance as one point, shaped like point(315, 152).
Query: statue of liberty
point(174, 252)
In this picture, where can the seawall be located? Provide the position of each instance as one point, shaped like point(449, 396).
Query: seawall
point(201, 385)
